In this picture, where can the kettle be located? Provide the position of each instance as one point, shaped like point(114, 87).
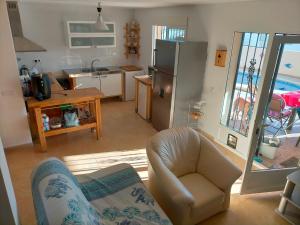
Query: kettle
point(41, 86)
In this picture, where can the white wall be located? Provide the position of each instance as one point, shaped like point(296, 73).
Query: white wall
point(221, 20)
point(44, 24)
point(293, 58)
point(216, 24)
point(171, 16)
point(14, 128)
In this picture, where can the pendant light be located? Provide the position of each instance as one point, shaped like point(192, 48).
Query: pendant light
point(100, 25)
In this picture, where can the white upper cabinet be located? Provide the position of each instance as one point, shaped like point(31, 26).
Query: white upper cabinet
point(83, 34)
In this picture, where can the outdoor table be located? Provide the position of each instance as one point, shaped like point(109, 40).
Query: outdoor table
point(292, 99)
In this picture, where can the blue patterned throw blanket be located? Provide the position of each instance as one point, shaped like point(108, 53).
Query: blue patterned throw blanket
point(111, 196)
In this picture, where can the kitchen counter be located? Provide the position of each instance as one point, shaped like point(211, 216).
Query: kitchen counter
point(145, 79)
point(130, 68)
point(113, 81)
point(66, 97)
point(77, 72)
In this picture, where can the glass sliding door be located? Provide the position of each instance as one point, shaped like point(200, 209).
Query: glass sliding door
point(274, 150)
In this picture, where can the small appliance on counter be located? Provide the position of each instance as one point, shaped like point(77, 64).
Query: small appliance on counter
point(24, 70)
point(41, 86)
point(25, 81)
point(26, 85)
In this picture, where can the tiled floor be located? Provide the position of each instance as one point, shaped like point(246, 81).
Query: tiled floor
point(124, 139)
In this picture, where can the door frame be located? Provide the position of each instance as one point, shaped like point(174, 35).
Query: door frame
point(265, 180)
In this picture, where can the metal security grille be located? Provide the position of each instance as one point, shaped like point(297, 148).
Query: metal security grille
point(169, 33)
point(247, 78)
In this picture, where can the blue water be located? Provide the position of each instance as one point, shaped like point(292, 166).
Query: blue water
point(279, 85)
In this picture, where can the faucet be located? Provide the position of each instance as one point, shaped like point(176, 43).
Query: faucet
point(92, 64)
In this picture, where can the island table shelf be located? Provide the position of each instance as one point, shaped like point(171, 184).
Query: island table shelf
point(90, 96)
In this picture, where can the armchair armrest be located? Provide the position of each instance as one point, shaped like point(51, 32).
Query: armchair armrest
point(172, 185)
point(215, 166)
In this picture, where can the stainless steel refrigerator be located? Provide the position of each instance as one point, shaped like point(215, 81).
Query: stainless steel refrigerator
point(177, 81)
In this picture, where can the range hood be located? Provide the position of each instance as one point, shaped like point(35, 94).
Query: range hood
point(21, 43)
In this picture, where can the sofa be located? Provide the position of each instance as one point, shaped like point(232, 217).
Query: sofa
point(111, 196)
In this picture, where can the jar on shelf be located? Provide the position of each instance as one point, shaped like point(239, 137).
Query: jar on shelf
point(45, 119)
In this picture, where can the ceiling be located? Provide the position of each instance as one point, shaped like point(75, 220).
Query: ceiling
point(137, 3)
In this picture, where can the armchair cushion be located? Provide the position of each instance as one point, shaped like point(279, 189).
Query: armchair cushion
point(203, 191)
point(215, 166)
point(178, 150)
point(180, 195)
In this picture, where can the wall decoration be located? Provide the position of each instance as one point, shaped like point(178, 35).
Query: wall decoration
point(132, 39)
point(220, 59)
point(232, 141)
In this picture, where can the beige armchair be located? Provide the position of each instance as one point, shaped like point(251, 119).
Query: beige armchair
point(189, 177)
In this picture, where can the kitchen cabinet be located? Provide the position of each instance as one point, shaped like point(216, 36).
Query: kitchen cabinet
point(130, 84)
point(109, 84)
point(143, 99)
point(142, 104)
point(88, 82)
point(83, 34)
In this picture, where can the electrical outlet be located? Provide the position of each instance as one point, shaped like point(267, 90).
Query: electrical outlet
point(36, 60)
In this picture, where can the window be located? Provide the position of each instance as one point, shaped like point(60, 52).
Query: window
point(167, 33)
point(243, 79)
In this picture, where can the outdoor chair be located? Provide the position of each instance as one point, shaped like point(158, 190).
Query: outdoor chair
point(278, 114)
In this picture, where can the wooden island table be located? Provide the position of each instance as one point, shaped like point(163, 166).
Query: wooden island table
point(88, 96)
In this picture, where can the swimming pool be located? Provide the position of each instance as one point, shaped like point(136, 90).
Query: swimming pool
point(280, 85)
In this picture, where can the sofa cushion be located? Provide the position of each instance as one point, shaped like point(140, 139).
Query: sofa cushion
point(178, 149)
point(203, 191)
point(57, 197)
point(120, 196)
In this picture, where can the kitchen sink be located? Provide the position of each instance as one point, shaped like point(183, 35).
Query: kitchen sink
point(86, 70)
point(102, 69)
point(99, 69)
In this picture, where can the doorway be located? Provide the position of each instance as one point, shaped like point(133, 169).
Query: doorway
point(274, 149)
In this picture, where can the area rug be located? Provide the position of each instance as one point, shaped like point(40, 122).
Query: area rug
point(291, 162)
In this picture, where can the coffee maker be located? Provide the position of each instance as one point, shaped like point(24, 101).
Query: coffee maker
point(41, 86)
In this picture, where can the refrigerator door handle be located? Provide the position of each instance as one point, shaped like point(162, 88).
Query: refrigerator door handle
point(154, 56)
point(153, 77)
point(161, 93)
